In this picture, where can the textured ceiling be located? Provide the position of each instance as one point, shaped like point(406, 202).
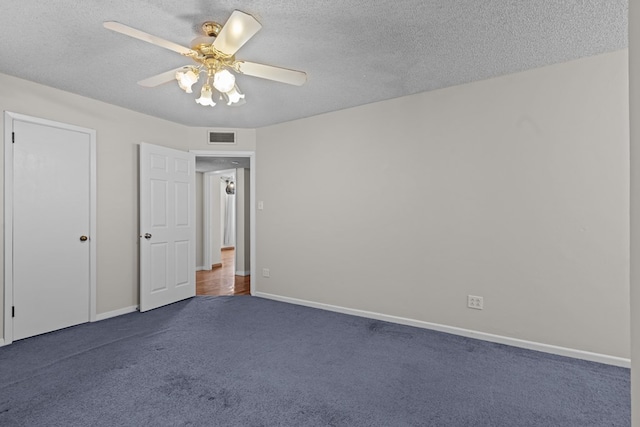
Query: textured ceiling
point(354, 51)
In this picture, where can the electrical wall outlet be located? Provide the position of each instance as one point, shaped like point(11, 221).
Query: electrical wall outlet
point(265, 272)
point(475, 302)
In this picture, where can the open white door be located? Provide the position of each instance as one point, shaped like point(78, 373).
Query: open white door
point(167, 226)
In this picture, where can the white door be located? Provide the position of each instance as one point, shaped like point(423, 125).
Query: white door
point(51, 214)
point(167, 226)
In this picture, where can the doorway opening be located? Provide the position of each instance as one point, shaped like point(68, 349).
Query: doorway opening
point(222, 279)
point(226, 225)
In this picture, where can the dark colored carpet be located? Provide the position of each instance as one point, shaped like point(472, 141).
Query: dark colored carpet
point(245, 361)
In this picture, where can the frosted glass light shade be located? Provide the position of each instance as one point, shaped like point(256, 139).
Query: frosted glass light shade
point(186, 79)
point(234, 96)
point(205, 96)
point(224, 81)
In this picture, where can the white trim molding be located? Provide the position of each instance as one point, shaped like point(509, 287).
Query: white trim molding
point(514, 342)
point(115, 313)
point(1, 342)
point(243, 273)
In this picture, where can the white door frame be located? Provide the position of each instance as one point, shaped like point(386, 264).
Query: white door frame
point(206, 225)
point(252, 203)
point(207, 255)
point(9, 118)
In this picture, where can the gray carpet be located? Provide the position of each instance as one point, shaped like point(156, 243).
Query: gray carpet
point(245, 361)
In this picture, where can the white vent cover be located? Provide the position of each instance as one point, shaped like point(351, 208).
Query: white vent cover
point(216, 137)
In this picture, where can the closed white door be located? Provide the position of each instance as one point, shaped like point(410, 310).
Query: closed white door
point(51, 214)
point(167, 226)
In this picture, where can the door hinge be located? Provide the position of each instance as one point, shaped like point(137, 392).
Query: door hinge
point(13, 311)
point(13, 137)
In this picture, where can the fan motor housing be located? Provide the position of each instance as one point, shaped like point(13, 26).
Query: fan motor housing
point(212, 29)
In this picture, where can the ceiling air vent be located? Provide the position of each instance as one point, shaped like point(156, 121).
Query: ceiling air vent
point(222, 137)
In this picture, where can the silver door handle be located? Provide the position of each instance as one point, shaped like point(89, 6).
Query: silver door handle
point(147, 236)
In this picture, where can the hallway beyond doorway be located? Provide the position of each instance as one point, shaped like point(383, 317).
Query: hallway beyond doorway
point(222, 280)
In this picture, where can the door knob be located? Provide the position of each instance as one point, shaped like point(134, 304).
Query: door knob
point(147, 236)
point(83, 238)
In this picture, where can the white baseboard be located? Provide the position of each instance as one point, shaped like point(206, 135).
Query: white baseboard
point(115, 313)
point(200, 268)
point(514, 342)
point(1, 342)
point(243, 273)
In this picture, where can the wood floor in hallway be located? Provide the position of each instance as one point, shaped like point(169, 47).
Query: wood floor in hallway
point(222, 280)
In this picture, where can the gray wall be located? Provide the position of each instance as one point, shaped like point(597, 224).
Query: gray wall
point(216, 218)
point(634, 82)
point(515, 189)
point(243, 244)
point(200, 238)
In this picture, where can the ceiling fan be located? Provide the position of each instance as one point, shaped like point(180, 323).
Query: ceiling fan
point(214, 55)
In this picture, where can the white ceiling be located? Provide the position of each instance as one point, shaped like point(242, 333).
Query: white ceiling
point(212, 164)
point(354, 51)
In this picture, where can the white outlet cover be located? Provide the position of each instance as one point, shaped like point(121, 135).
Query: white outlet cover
point(475, 302)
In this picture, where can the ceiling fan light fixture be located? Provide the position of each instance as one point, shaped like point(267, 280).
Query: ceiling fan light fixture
point(202, 41)
point(205, 96)
point(224, 81)
point(214, 52)
point(186, 78)
point(234, 96)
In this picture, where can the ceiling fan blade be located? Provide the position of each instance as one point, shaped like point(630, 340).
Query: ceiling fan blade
point(283, 75)
point(141, 35)
point(160, 79)
point(238, 29)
